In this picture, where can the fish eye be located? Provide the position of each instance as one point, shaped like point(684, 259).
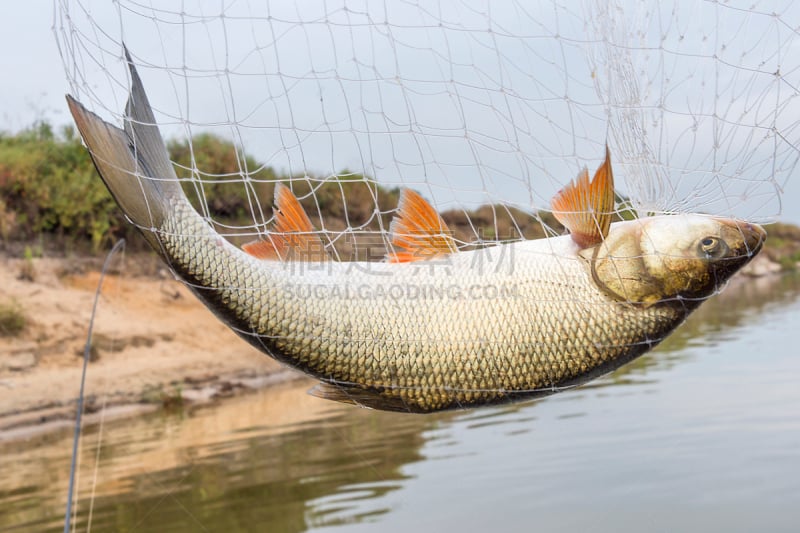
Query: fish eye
point(712, 247)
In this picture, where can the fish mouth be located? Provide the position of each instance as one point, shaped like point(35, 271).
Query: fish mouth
point(749, 238)
point(745, 240)
point(753, 237)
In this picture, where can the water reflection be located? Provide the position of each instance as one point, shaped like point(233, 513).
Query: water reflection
point(742, 304)
point(283, 461)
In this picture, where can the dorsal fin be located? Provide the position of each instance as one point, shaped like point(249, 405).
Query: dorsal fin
point(586, 207)
point(418, 232)
point(293, 237)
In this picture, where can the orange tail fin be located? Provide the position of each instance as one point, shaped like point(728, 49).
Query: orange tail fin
point(586, 207)
point(418, 232)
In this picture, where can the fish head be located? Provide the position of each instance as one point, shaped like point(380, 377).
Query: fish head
point(666, 258)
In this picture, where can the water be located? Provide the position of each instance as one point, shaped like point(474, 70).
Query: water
point(701, 435)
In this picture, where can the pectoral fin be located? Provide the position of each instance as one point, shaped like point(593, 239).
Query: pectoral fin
point(418, 232)
point(362, 397)
point(586, 207)
point(293, 237)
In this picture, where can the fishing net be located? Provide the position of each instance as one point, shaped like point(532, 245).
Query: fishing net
point(486, 109)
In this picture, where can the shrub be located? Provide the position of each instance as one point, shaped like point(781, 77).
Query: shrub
point(53, 187)
point(12, 319)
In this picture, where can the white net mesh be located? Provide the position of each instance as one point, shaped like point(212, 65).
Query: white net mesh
point(470, 103)
point(486, 108)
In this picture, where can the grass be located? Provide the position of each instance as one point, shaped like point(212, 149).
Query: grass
point(27, 271)
point(167, 399)
point(12, 319)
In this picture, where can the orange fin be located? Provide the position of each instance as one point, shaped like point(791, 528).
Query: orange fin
point(266, 249)
point(586, 207)
point(418, 232)
point(293, 237)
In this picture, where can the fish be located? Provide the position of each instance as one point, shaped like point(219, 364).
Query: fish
point(433, 327)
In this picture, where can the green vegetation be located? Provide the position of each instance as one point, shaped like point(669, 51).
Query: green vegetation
point(27, 271)
point(233, 201)
point(783, 245)
point(168, 399)
point(50, 190)
point(49, 186)
point(12, 319)
point(220, 183)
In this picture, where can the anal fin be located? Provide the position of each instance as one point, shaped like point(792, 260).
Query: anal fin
point(293, 237)
point(418, 232)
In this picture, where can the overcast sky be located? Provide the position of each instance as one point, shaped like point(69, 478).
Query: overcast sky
point(34, 86)
point(33, 82)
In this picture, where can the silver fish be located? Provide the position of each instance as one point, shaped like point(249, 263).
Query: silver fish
point(459, 329)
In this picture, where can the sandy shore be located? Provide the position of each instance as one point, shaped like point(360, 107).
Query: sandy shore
point(154, 344)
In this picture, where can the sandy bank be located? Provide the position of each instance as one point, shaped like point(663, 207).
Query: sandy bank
point(153, 344)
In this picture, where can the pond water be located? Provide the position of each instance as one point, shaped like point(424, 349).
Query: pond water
point(702, 434)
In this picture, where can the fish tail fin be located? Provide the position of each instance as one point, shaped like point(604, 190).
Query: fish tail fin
point(134, 162)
